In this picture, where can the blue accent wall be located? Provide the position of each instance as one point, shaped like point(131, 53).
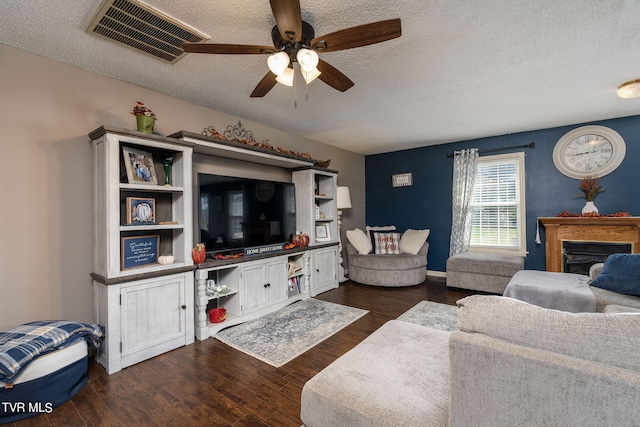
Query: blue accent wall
point(427, 204)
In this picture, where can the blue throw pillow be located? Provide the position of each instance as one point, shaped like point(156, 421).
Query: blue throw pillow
point(620, 273)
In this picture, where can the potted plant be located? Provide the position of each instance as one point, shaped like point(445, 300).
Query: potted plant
point(589, 186)
point(145, 118)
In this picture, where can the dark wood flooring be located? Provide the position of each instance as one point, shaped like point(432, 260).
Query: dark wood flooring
point(209, 383)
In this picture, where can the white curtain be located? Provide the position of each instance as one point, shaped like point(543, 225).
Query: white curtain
point(465, 166)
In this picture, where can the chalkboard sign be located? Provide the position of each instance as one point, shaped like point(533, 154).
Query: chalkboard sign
point(139, 251)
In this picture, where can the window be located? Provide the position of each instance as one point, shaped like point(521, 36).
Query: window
point(498, 223)
point(204, 212)
point(236, 210)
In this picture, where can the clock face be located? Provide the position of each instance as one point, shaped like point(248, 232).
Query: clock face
point(589, 151)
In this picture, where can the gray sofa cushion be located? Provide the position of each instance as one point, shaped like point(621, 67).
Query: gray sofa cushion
point(516, 364)
point(495, 383)
point(605, 298)
point(398, 376)
point(611, 339)
point(486, 263)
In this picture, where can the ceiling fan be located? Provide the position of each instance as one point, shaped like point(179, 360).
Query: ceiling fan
point(294, 41)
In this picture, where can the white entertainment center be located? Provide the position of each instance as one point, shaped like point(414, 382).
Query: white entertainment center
point(152, 308)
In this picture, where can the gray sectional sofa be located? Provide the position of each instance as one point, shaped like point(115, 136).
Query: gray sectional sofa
point(511, 363)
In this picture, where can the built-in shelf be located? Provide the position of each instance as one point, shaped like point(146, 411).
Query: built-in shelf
point(154, 188)
point(228, 294)
point(151, 227)
point(146, 307)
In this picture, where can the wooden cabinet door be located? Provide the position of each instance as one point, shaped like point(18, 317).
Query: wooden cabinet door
point(276, 290)
point(324, 274)
point(252, 287)
point(153, 319)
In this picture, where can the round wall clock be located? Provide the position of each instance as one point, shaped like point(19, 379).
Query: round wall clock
point(265, 191)
point(589, 151)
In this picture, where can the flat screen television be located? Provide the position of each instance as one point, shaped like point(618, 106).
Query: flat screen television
point(236, 213)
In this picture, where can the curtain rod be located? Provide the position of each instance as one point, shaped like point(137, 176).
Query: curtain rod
point(489, 150)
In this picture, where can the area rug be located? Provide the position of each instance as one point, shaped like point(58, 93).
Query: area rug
point(433, 314)
point(279, 337)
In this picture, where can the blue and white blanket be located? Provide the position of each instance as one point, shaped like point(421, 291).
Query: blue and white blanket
point(21, 345)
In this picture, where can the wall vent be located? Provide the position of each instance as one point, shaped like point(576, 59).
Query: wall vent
point(143, 28)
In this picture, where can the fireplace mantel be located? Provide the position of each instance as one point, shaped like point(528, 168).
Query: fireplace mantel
point(602, 229)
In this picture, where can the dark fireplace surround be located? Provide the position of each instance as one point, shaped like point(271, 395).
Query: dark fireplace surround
point(579, 256)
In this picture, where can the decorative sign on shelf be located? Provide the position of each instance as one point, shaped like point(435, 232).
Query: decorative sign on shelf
point(402, 179)
point(141, 211)
point(259, 250)
point(138, 251)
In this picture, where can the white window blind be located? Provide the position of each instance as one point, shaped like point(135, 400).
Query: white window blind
point(498, 204)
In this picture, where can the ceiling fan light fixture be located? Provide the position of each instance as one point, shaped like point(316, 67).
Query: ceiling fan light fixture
point(630, 89)
point(286, 78)
point(278, 63)
point(308, 59)
point(310, 76)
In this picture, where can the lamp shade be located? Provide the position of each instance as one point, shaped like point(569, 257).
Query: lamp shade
point(629, 89)
point(343, 198)
point(308, 59)
point(286, 78)
point(278, 63)
point(310, 76)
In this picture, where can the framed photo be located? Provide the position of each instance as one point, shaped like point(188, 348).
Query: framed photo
point(322, 233)
point(139, 165)
point(138, 251)
point(141, 210)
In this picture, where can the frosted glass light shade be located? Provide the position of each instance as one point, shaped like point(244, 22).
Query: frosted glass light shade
point(278, 63)
point(629, 89)
point(308, 59)
point(310, 76)
point(343, 198)
point(286, 78)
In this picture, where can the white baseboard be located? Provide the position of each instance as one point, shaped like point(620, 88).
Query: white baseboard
point(435, 273)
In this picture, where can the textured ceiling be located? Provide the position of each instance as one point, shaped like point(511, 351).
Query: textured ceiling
point(461, 69)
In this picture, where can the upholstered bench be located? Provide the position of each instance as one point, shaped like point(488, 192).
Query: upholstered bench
point(482, 271)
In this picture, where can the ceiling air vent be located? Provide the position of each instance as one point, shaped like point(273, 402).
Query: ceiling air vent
point(143, 28)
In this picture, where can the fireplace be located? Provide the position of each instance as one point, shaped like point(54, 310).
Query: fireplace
point(559, 230)
point(579, 256)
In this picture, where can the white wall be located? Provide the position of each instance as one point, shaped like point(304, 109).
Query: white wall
point(46, 111)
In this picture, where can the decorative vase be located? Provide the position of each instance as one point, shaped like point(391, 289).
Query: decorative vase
point(168, 161)
point(589, 208)
point(145, 123)
point(199, 254)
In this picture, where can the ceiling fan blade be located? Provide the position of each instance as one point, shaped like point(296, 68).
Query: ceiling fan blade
point(334, 78)
point(266, 84)
point(361, 35)
point(229, 49)
point(288, 18)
